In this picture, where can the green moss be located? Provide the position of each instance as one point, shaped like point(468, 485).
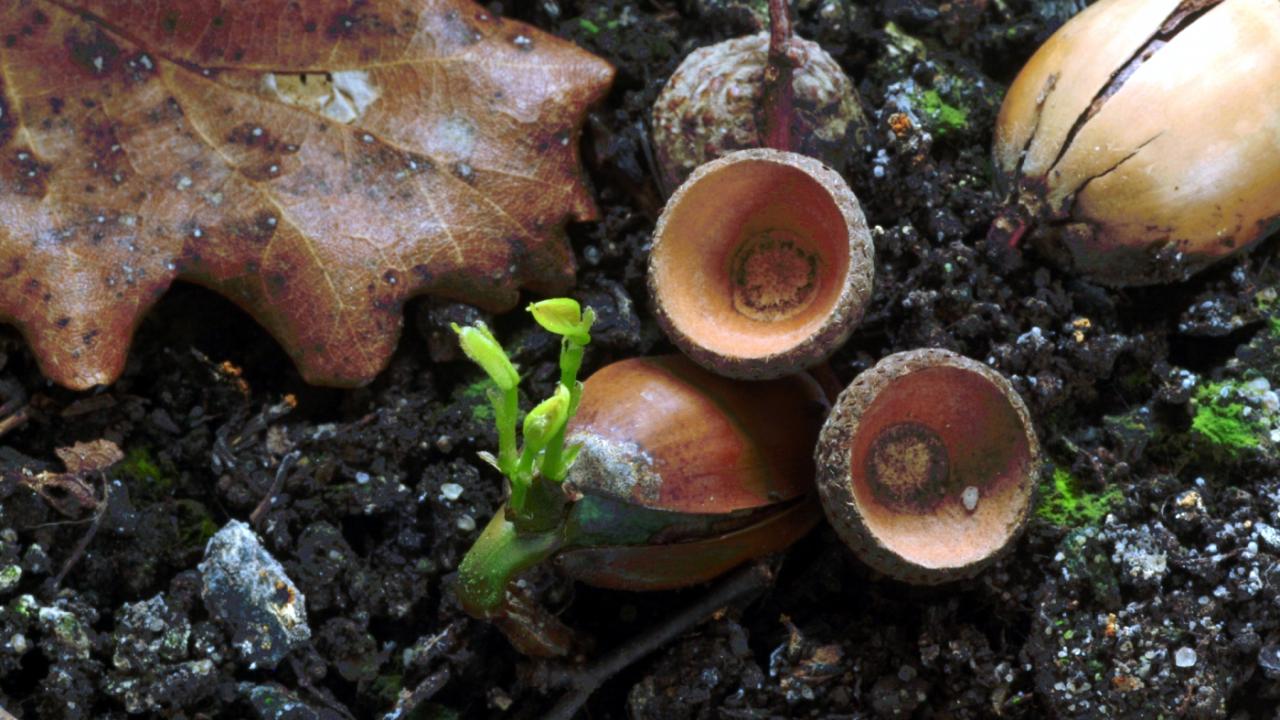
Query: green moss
point(140, 465)
point(1221, 422)
point(195, 524)
point(477, 393)
point(1224, 425)
point(26, 606)
point(9, 577)
point(944, 117)
point(1065, 504)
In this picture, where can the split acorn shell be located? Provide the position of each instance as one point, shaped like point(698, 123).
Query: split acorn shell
point(927, 466)
point(1142, 140)
point(683, 475)
point(761, 264)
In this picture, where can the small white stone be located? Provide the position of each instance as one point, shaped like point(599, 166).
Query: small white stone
point(466, 523)
point(1270, 400)
point(970, 498)
point(1185, 657)
point(362, 477)
point(451, 491)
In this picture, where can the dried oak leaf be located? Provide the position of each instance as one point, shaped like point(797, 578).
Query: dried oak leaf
point(317, 162)
point(71, 491)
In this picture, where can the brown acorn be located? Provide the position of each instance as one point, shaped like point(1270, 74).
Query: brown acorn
point(927, 466)
point(682, 474)
point(761, 264)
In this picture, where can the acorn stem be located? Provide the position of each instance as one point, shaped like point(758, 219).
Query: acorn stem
point(778, 96)
point(1010, 225)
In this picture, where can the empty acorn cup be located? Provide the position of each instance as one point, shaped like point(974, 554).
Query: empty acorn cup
point(761, 264)
point(927, 466)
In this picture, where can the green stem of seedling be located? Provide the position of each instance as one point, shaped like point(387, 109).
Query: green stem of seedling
point(498, 555)
point(571, 351)
point(530, 527)
point(506, 410)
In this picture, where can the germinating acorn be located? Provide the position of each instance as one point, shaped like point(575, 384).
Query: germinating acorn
point(1141, 143)
point(927, 466)
point(761, 264)
point(682, 475)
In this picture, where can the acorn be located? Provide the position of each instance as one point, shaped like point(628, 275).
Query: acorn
point(714, 104)
point(1139, 144)
point(682, 475)
point(761, 264)
point(927, 466)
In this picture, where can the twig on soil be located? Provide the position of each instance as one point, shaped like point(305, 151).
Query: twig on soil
point(779, 96)
point(13, 412)
point(439, 644)
point(286, 464)
point(226, 445)
point(742, 584)
point(427, 689)
point(88, 535)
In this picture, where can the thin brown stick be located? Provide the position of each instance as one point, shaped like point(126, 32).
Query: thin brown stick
point(779, 96)
point(742, 584)
point(88, 535)
point(286, 463)
point(11, 422)
point(425, 690)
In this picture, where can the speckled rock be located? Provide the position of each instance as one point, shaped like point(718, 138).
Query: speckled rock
point(246, 589)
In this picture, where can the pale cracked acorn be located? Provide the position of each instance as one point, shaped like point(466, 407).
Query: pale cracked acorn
point(1141, 143)
point(712, 105)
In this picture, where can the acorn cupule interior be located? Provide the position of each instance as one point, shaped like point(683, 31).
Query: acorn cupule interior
point(936, 469)
point(753, 258)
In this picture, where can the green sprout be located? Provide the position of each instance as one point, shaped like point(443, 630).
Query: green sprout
point(530, 527)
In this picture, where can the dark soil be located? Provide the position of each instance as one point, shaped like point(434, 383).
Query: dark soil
point(1163, 603)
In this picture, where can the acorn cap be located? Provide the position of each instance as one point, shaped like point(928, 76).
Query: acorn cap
point(714, 104)
point(761, 264)
point(927, 466)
